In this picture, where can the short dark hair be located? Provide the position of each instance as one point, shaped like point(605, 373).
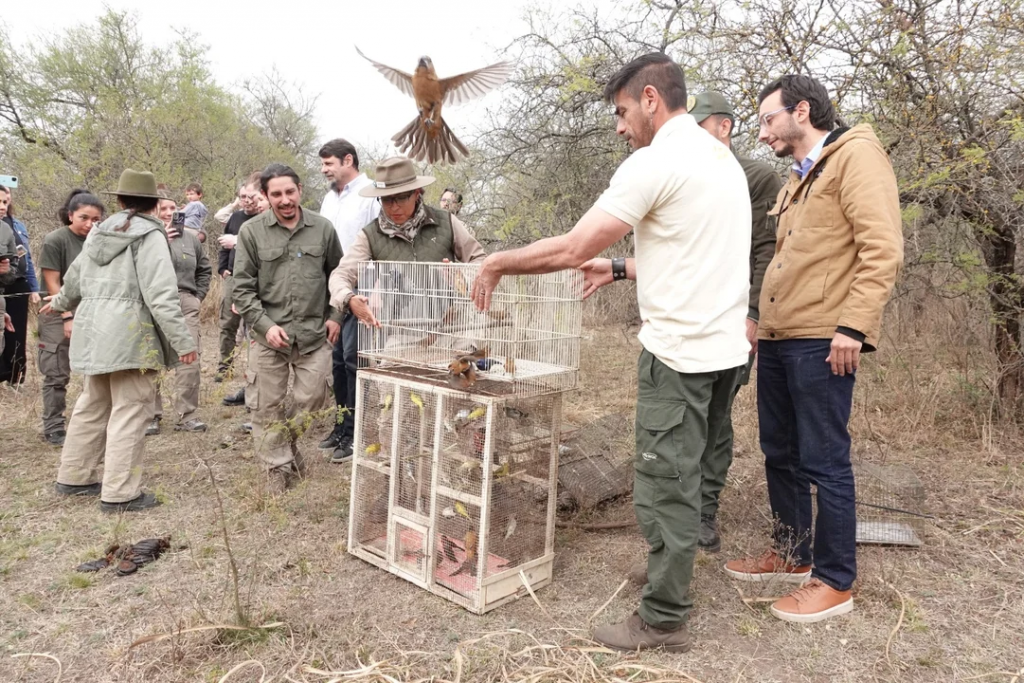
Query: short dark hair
point(195, 187)
point(339, 148)
point(277, 171)
point(458, 195)
point(798, 88)
point(655, 69)
point(76, 200)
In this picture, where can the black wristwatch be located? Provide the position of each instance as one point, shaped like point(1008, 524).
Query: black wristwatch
point(618, 269)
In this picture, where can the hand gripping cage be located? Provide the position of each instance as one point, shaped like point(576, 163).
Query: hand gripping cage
point(526, 344)
point(458, 416)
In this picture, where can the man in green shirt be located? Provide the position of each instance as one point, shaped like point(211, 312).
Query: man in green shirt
point(283, 259)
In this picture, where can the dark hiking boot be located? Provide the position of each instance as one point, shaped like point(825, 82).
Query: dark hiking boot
point(636, 634)
point(708, 539)
point(56, 437)
point(193, 425)
point(154, 427)
point(144, 501)
point(77, 490)
point(235, 399)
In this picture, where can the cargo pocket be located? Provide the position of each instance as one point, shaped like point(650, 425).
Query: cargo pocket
point(252, 392)
point(657, 437)
point(49, 360)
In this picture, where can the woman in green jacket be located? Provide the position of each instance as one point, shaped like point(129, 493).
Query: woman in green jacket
point(128, 324)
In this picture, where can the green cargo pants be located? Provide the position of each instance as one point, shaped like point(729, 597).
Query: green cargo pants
point(715, 465)
point(678, 417)
point(229, 323)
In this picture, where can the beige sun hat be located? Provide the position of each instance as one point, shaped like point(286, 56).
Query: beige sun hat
point(395, 176)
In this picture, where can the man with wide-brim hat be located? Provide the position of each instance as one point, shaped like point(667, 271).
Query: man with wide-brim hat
point(406, 230)
point(128, 325)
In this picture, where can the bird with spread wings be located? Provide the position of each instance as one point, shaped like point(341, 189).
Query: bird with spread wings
point(428, 136)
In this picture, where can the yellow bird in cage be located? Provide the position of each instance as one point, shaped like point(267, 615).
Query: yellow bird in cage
point(417, 401)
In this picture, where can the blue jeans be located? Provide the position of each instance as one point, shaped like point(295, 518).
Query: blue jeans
point(345, 359)
point(803, 411)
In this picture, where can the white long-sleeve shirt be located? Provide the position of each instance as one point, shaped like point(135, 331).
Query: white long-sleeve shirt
point(348, 212)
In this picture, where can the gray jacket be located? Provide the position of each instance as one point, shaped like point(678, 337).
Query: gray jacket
point(125, 295)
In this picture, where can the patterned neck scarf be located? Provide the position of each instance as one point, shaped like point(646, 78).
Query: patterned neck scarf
point(407, 230)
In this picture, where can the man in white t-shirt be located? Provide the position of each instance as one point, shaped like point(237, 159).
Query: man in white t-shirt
point(349, 213)
point(684, 196)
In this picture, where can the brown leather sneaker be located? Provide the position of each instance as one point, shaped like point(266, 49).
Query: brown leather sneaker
point(814, 601)
point(635, 634)
point(770, 566)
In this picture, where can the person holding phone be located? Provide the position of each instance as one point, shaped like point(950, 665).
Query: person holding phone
point(21, 292)
point(193, 271)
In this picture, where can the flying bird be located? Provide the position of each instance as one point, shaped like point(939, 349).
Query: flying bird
point(428, 136)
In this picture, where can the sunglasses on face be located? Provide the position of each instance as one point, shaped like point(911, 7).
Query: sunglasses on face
point(398, 198)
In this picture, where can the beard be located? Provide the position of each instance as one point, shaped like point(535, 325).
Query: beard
point(789, 137)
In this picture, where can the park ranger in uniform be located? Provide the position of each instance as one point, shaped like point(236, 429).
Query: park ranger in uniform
point(714, 114)
point(283, 259)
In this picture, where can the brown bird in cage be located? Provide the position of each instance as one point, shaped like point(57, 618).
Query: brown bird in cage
point(428, 136)
point(469, 541)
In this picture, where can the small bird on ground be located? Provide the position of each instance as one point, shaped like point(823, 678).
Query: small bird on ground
point(428, 136)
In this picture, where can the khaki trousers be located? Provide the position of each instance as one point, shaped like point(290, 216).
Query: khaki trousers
point(275, 430)
point(186, 377)
point(107, 434)
point(55, 367)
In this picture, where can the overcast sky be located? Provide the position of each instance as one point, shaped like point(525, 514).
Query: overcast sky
point(311, 42)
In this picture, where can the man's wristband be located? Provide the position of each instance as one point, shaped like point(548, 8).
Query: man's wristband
point(618, 269)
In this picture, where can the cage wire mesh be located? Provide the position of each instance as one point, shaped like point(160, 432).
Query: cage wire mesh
point(527, 343)
point(890, 505)
point(468, 485)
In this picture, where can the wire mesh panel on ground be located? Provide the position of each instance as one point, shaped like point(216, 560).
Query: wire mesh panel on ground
point(526, 344)
point(455, 492)
point(890, 505)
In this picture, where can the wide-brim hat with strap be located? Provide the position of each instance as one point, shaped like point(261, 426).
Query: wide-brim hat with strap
point(395, 176)
point(136, 184)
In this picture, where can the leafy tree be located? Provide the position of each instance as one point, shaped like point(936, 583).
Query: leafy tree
point(83, 106)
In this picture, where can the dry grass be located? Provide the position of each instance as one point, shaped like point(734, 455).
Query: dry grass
point(950, 611)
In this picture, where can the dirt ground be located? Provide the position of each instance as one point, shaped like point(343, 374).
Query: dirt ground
point(949, 611)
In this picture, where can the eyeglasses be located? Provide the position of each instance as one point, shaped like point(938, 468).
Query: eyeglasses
point(766, 119)
point(397, 198)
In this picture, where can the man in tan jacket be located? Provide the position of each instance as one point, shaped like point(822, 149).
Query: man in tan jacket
point(839, 248)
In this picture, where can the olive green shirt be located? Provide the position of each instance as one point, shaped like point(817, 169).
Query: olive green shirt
point(60, 248)
point(280, 277)
point(764, 184)
point(191, 266)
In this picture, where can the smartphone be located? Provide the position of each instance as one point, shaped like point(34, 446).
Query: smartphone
point(178, 218)
point(20, 250)
point(10, 181)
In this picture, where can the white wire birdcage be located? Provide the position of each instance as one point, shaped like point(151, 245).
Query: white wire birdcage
point(455, 492)
point(527, 343)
